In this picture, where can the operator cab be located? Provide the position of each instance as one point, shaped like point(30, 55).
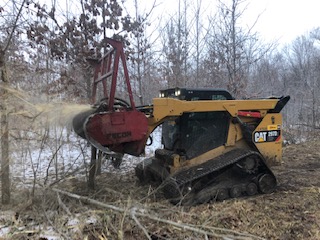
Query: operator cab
point(193, 134)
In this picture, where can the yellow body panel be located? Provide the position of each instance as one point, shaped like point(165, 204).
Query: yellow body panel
point(271, 150)
point(166, 108)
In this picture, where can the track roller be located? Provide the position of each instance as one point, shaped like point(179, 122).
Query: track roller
point(267, 183)
point(251, 189)
point(235, 191)
point(222, 194)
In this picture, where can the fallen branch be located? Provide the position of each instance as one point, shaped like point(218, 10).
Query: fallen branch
point(63, 206)
point(133, 216)
point(229, 234)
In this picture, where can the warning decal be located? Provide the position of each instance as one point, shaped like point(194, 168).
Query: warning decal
point(273, 127)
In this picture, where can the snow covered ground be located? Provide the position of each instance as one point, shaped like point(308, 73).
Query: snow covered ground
point(50, 156)
point(59, 153)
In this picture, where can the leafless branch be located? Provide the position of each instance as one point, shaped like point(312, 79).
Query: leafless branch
point(14, 27)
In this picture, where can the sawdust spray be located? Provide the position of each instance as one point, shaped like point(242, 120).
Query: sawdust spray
point(21, 105)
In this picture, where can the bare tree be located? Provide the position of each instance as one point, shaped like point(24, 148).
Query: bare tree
point(197, 41)
point(234, 48)
point(4, 133)
point(175, 48)
point(303, 79)
point(142, 55)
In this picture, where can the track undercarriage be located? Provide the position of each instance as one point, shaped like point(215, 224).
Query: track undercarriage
point(234, 174)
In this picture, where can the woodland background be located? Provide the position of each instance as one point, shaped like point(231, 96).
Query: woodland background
point(43, 50)
point(45, 46)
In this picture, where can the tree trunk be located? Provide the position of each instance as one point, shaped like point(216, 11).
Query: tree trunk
point(92, 168)
point(4, 133)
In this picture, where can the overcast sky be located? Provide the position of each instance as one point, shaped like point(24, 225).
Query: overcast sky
point(281, 20)
point(286, 19)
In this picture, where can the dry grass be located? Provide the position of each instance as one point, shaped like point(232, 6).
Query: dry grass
point(292, 212)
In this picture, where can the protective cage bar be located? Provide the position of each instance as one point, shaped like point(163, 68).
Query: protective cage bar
point(107, 67)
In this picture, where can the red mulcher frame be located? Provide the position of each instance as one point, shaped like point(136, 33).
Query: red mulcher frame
point(124, 129)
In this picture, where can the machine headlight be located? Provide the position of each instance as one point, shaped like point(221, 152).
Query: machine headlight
point(177, 92)
point(161, 94)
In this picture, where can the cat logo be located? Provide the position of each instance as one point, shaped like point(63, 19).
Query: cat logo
point(260, 137)
point(267, 136)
